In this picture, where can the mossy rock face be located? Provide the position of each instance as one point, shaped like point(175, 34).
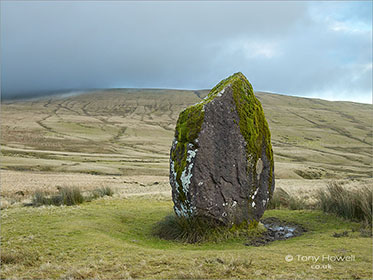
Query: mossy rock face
point(221, 161)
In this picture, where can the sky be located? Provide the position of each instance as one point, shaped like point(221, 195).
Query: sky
point(311, 49)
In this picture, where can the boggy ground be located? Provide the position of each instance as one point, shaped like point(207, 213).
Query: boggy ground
point(112, 238)
point(276, 230)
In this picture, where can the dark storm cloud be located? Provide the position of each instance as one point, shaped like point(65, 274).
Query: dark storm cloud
point(315, 49)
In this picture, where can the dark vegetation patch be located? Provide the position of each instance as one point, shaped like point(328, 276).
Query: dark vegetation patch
point(364, 230)
point(24, 258)
point(341, 234)
point(309, 174)
point(27, 154)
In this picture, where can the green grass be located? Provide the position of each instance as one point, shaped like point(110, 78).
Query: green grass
point(113, 238)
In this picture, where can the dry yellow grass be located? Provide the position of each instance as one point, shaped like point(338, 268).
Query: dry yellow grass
point(121, 138)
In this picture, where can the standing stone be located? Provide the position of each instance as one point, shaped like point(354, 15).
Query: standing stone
point(221, 162)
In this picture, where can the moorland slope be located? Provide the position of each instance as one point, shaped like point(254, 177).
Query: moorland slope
point(129, 132)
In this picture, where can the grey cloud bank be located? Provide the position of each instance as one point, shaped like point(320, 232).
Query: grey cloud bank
point(311, 49)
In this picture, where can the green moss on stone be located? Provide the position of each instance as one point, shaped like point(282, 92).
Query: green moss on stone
point(187, 129)
point(253, 125)
point(251, 228)
point(245, 225)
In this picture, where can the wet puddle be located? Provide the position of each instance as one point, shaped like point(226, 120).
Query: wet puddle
point(276, 230)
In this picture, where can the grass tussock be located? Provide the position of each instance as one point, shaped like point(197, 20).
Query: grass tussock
point(197, 230)
point(101, 192)
point(68, 196)
point(355, 204)
point(10, 258)
point(25, 258)
point(282, 199)
point(65, 196)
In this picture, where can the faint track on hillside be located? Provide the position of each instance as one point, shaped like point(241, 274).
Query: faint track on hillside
point(65, 106)
point(54, 112)
point(120, 133)
point(84, 110)
point(52, 130)
point(340, 131)
point(47, 104)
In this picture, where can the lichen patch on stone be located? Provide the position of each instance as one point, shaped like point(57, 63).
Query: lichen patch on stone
point(259, 168)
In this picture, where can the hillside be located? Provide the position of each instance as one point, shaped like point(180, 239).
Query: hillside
point(129, 132)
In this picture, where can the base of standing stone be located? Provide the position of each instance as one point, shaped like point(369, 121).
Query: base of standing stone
point(199, 229)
